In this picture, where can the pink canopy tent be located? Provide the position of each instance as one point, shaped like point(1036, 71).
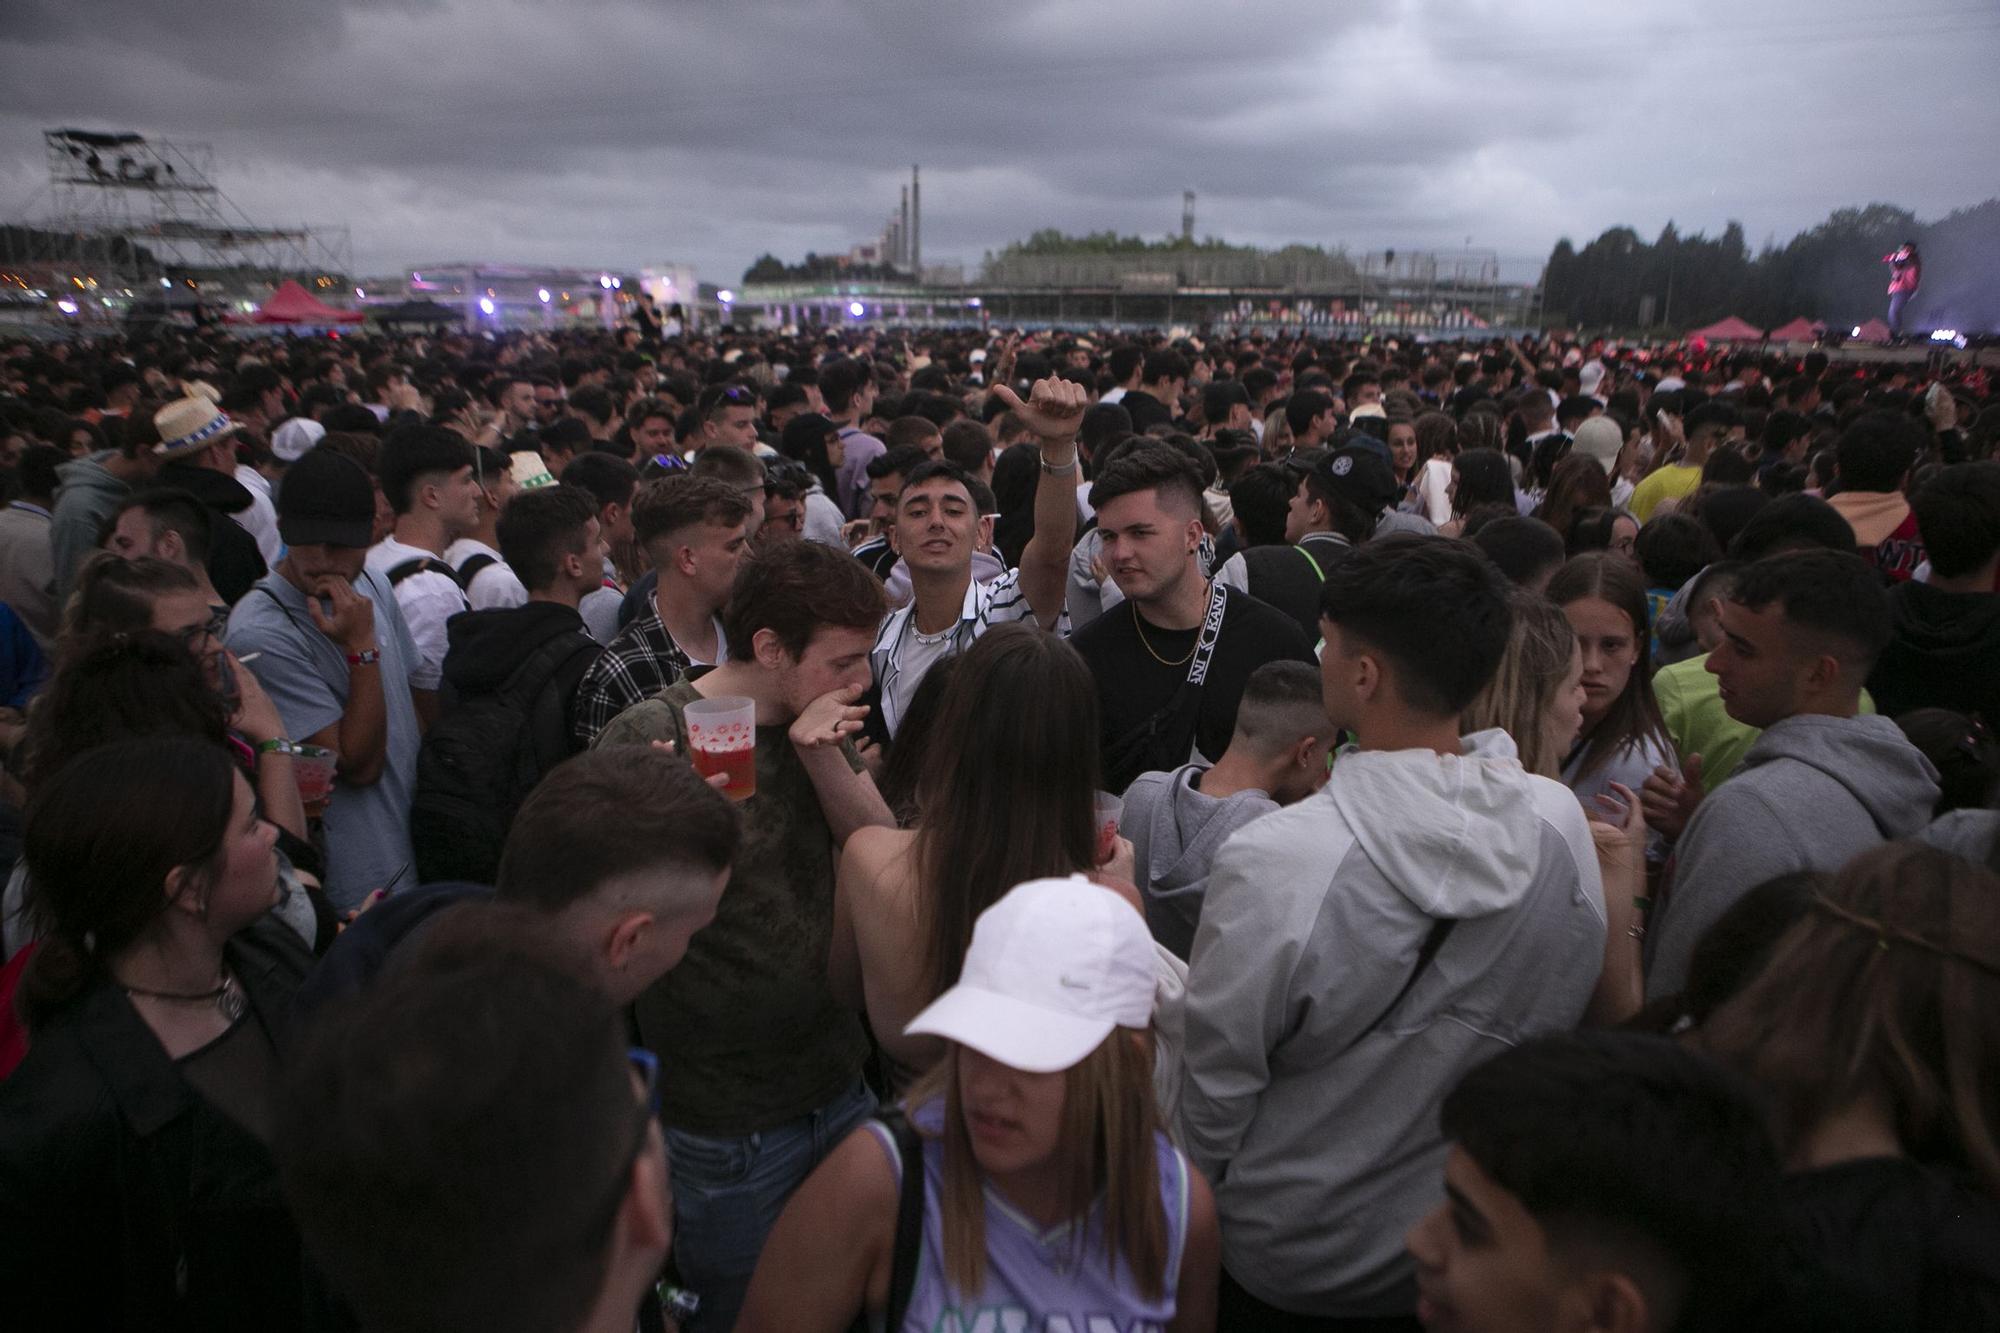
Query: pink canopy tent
point(1800, 330)
point(1874, 331)
point(293, 304)
point(1731, 330)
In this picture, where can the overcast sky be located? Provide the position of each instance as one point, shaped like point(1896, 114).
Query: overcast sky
point(624, 132)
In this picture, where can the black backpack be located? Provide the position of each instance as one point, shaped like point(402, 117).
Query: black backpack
point(480, 760)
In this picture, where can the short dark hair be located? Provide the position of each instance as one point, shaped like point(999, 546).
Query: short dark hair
point(1624, 1142)
point(1260, 498)
point(500, 381)
point(414, 451)
point(1218, 396)
point(1123, 360)
point(453, 1139)
point(905, 431)
point(794, 588)
point(1279, 698)
point(672, 504)
point(1712, 413)
point(1150, 467)
point(968, 444)
point(933, 468)
point(840, 380)
point(593, 402)
point(172, 509)
point(1792, 522)
point(35, 471)
point(898, 462)
point(737, 467)
point(1404, 595)
point(1304, 406)
point(560, 847)
point(1834, 593)
point(1877, 451)
point(1520, 548)
point(609, 479)
point(1163, 363)
point(1958, 516)
point(1673, 548)
point(719, 398)
point(539, 527)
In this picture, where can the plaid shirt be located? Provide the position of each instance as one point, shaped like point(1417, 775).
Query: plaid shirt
point(639, 663)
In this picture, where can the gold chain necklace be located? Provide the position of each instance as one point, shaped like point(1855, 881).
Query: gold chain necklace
point(1139, 624)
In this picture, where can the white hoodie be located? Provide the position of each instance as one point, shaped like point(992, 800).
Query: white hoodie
point(1320, 1131)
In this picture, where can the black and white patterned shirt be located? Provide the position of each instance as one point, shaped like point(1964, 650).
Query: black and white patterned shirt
point(901, 656)
point(640, 662)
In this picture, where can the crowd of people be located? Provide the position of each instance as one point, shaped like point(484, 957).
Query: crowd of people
point(1233, 831)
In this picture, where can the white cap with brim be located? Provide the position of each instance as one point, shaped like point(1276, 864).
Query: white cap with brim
point(1054, 968)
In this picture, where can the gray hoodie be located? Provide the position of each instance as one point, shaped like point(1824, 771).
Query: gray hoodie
point(1813, 792)
point(1176, 832)
point(86, 495)
point(1317, 1122)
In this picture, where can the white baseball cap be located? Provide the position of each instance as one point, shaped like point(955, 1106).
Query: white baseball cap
point(1054, 968)
point(290, 441)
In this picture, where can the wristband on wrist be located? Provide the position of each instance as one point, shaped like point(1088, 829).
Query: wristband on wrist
point(1062, 469)
point(366, 657)
point(277, 745)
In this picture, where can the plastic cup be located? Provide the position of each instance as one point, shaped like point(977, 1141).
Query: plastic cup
point(312, 767)
point(1107, 810)
point(722, 738)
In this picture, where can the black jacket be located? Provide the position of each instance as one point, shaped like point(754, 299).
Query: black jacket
point(126, 1200)
point(1944, 653)
point(483, 648)
point(234, 562)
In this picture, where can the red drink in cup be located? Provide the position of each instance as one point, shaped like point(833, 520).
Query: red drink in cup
point(313, 767)
point(1108, 810)
point(722, 738)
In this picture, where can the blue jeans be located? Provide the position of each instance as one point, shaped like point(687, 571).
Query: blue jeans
point(1897, 300)
point(728, 1194)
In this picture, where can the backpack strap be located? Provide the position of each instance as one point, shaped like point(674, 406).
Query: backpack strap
point(423, 564)
point(475, 565)
point(542, 741)
point(909, 1245)
point(1428, 950)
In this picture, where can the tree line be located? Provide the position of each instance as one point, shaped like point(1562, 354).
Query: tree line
point(1831, 272)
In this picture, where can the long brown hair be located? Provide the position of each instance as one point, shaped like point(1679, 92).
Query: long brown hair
point(1109, 1118)
point(1887, 986)
point(1634, 716)
point(1006, 788)
point(1577, 483)
point(1540, 648)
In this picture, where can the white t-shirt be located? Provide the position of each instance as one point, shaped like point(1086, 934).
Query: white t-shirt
point(260, 520)
point(494, 586)
point(428, 599)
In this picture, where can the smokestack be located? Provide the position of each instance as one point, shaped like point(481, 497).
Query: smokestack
point(1187, 216)
point(916, 227)
point(903, 233)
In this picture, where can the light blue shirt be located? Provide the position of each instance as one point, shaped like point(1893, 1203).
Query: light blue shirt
point(306, 675)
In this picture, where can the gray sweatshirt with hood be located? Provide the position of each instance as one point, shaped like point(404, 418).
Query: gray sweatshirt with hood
point(1176, 830)
point(86, 495)
point(1813, 792)
point(1318, 1123)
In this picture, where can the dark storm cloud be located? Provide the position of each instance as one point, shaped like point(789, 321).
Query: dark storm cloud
point(625, 131)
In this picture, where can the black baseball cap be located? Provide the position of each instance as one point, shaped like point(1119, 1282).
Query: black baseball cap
point(1358, 475)
point(326, 499)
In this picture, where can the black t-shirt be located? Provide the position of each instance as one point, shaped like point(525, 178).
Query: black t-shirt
point(1887, 1244)
point(1133, 683)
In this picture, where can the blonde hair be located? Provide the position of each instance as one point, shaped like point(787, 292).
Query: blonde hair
point(1887, 985)
point(1522, 694)
point(1109, 1118)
